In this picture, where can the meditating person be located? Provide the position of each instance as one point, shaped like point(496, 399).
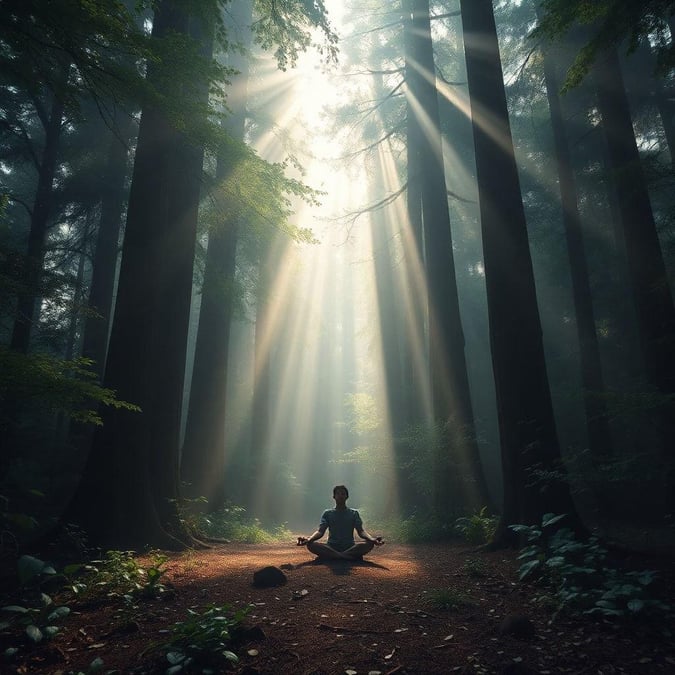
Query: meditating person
point(340, 523)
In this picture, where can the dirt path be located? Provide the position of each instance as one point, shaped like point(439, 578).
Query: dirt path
point(426, 609)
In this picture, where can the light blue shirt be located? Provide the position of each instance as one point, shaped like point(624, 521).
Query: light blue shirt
point(341, 524)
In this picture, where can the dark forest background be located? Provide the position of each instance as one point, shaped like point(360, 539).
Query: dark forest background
point(513, 349)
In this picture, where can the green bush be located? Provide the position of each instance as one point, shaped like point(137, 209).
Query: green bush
point(580, 576)
point(232, 523)
point(36, 616)
point(478, 528)
point(202, 642)
point(118, 574)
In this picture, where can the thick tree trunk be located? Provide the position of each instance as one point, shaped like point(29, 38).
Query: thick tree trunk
point(416, 387)
point(204, 455)
point(526, 423)
point(449, 380)
point(637, 230)
point(130, 489)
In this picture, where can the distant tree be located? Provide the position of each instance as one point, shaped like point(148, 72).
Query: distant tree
point(203, 457)
point(106, 251)
point(589, 349)
point(52, 54)
point(533, 474)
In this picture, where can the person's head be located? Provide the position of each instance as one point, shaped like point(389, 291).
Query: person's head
point(340, 493)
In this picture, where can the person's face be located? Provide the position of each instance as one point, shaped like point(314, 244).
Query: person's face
point(340, 496)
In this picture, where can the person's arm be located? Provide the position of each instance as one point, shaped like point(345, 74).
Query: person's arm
point(317, 534)
point(378, 541)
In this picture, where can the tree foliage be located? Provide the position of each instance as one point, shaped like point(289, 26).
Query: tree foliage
point(45, 381)
point(609, 23)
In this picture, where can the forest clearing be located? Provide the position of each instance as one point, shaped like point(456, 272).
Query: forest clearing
point(412, 610)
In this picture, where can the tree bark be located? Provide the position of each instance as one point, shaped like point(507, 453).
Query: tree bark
point(528, 436)
point(637, 230)
point(204, 455)
point(129, 492)
point(449, 380)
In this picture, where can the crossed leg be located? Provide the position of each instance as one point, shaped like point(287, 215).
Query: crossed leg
point(328, 553)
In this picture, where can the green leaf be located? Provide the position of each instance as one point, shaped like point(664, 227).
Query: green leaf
point(15, 608)
point(34, 633)
point(96, 665)
point(58, 613)
point(551, 519)
point(635, 605)
point(231, 656)
point(51, 631)
point(528, 568)
point(29, 568)
point(72, 569)
point(173, 670)
point(175, 657)
point(555, 561)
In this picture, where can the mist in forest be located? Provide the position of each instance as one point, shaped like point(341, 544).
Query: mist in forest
point(417, 248)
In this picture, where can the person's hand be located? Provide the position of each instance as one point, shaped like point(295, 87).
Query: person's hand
point(302, 541)
point(378, 541)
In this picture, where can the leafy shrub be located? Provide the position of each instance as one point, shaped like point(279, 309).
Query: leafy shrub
point(201, 643)
point(68, 386)
point(580, 576)
point(232, 523)
point(118, 574)
point(37, 615)
point(478, 528)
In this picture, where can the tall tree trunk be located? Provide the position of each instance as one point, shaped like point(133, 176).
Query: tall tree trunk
point(449, 380)
point(129, 492)
point(262, 373)
point(589, 351)
point(413, 242)
point(204, 455)
point(104, 267)
point(636, 229)
point(526, 423)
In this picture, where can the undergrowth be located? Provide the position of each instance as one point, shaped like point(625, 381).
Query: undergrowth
point(232, 523)
point(580, 577)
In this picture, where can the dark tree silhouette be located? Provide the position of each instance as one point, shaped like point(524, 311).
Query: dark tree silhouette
point(449, 379)
point(527, 429)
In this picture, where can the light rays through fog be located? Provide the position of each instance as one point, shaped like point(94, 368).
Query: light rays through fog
point(322, 338)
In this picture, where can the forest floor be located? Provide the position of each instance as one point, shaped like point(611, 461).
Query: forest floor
point(404, 609)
